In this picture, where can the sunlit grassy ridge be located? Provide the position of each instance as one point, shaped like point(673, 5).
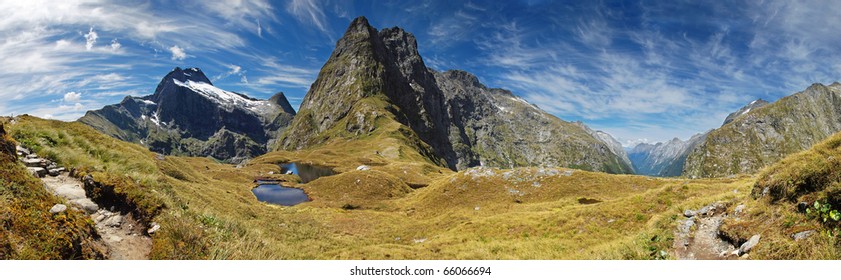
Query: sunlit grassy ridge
point(27, 229)
point(400, 209)
point(808, 176)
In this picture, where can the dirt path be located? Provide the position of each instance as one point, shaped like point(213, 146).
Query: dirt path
point(120, 233)
point(697, 236)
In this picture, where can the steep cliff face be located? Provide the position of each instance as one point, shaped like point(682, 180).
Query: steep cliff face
point(663, 159)
point(493, 127)
point(375, 84)
point(761, 136)
point(187, 115)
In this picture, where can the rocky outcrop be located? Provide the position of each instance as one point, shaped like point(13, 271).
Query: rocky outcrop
point(663, 159)
point(374, 78)
point(187, 115)
point(763, 135)
point(744, 110)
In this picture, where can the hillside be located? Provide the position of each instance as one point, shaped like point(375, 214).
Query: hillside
point(761, 136)
point(376, 85)
point(206, 210)
point(27, 228)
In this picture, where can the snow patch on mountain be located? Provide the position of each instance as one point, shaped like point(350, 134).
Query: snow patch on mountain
point(224, 98)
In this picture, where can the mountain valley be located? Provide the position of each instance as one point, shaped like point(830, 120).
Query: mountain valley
point(414, 163)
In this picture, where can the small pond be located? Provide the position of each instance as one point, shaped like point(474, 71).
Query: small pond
point(277, 194)
point(307, 172)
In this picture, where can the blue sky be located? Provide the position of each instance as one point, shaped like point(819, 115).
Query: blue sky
point(640, 70)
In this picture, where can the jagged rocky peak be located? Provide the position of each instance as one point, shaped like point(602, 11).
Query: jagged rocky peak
point(745, 109)
point(279, 99)
point(374, 78)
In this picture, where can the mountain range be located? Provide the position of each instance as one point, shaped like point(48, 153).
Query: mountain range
point(375, 82)
point(189, 116)
point(375, 85)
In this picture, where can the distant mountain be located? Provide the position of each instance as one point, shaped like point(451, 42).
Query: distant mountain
point(613, 144)
point(663, 159)
point(375, 85)
point(756, 137)
point(187, 115)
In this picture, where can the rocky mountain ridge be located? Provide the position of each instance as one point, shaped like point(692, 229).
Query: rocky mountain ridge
point(375, 83)
point(189, 116)
point(761, 135)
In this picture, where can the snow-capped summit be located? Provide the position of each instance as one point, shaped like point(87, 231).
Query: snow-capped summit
point(188, 115)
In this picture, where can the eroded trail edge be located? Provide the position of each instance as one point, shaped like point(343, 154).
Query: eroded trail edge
point(121, 236)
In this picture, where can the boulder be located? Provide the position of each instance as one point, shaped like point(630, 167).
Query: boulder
point(54, 172)
point(58, 208)
point(689, 213)
point(740, 209)
point(114, 221)
point(86, 204)
point(154, 227)
point(68, 191)
point(747, 246)
point(23, 151)
point(704, 210)
point(802, 235)
point(363, 168)
point(37, 171)
point(32, 162)
point(31, 156)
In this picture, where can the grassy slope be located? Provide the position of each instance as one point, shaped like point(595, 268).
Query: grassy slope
point(808, 176)
point(27, 229)
point(209, 212)
point(748, 144)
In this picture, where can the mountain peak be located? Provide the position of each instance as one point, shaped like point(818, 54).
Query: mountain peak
point(745, 109)
point(280, 100)
point(359, 25)
point(189, 74)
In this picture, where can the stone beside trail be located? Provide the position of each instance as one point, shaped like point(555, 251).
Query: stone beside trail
point(121, 235)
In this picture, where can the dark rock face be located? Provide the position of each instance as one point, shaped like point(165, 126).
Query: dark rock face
point(461, 123)
point(758, 137)
point(187, 115)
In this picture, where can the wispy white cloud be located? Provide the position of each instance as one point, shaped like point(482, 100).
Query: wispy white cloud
point(115, 45)
point(242, 13)
point(177, 53)
point(90, 39)
point(308, 11)
point(281, 74)
point(233, 70)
